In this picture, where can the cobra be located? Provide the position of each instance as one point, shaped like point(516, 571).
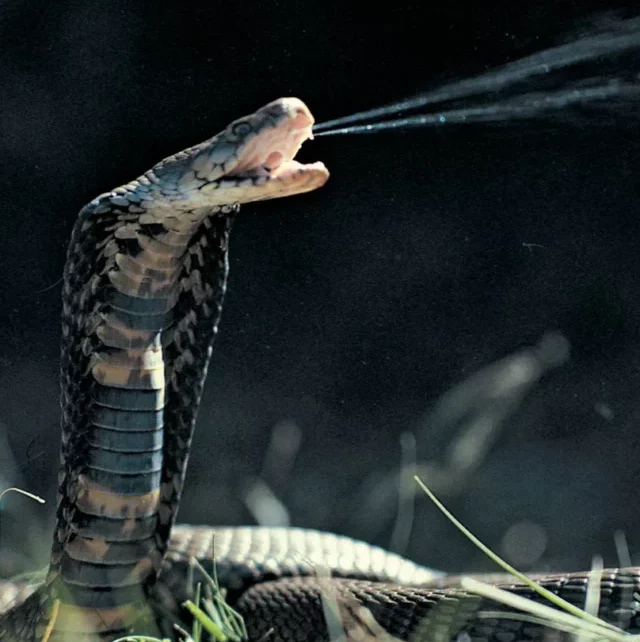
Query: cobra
point(143, 289)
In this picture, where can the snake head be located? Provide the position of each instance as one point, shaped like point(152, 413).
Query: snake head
point(251, 160)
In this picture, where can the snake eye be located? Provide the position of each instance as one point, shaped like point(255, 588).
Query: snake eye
point(241, 129)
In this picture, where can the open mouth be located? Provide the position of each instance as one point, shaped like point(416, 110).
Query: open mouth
point(270, 152)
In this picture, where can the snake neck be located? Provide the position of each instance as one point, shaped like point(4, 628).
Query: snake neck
point(142, 298)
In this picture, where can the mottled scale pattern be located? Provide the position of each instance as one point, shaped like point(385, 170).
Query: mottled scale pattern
point(121, 470)
point(117, 348)
point(142, 295)
point(120, 467)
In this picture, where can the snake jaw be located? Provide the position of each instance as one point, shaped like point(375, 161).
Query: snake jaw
point(269, 142)
point(264, 166)
point(251, 160)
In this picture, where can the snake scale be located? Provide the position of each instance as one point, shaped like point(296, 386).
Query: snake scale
point(143, 289)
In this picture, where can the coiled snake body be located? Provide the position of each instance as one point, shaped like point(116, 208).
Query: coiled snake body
point(142, 297)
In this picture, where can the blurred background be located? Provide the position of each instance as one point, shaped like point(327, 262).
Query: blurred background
point(458, 301)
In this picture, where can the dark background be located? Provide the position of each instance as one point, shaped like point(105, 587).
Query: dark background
point(350, 310)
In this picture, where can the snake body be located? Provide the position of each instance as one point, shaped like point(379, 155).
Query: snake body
point(142, 297)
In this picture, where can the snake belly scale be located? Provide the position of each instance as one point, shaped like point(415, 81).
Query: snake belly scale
point(143, 289)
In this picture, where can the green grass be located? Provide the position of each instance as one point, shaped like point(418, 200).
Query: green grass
point(584, 624)
point(211, 615)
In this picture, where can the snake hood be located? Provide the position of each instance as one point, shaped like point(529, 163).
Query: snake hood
point(250, 160)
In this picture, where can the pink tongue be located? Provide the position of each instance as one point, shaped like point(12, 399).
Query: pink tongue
point(274, 159)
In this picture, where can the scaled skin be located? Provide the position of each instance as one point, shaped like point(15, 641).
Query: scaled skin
point(143, 289)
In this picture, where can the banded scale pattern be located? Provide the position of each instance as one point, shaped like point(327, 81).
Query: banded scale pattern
point(137, 349)
point(142, 295)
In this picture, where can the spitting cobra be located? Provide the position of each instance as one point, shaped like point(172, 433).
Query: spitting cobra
point(143, 289)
